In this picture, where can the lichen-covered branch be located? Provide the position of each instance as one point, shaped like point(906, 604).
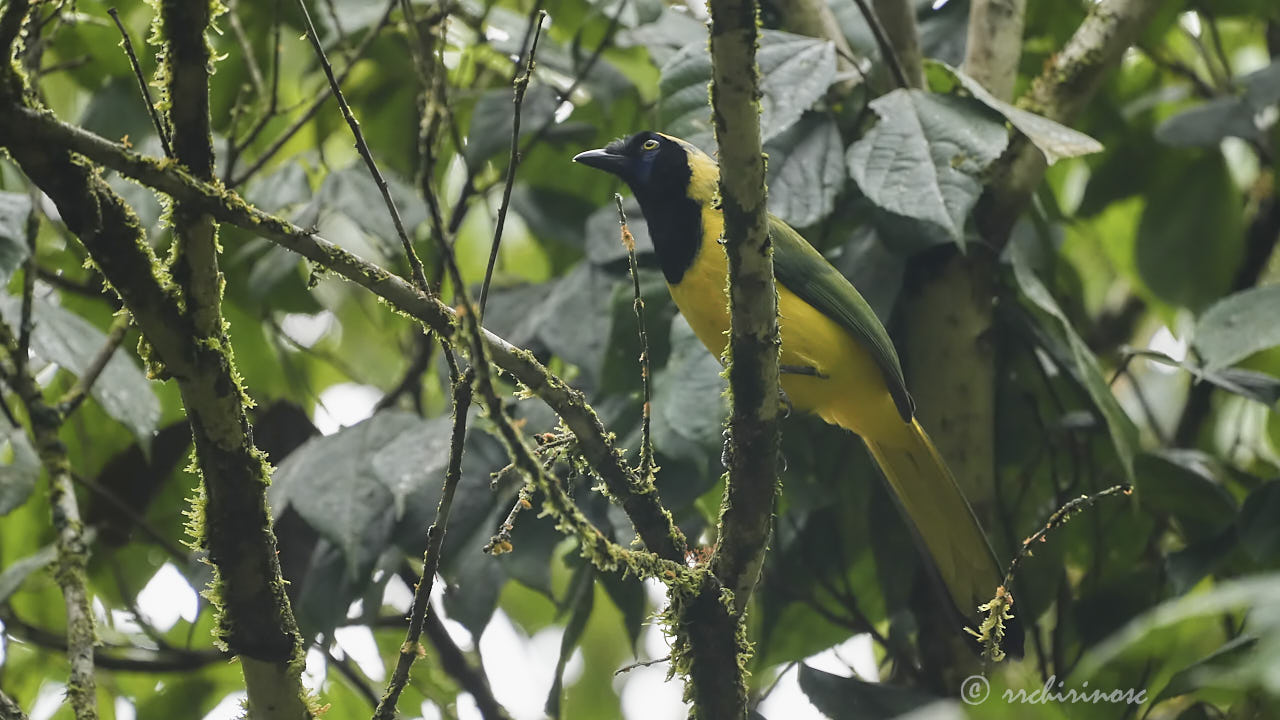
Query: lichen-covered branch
point(10, 710)
point(236, 528)
point(73, 551)
point(1062, 90)
point(639, 499)
point(710, 646)
point(995, 44)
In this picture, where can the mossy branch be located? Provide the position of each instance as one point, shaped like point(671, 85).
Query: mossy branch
point(1069, 81)
point(639, 499)
point(72, 547)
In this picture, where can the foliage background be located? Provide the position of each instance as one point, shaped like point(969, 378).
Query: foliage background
point(1146, 267)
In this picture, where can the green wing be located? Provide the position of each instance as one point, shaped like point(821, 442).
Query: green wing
point(805, 272)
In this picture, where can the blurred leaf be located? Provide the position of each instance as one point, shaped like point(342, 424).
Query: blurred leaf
point(1054, 139)
point(579, 599)
point(841, 698)
point(353, 193)
point(688, 399)
point(923, 158)
point(345, 485)
point(1259, 532)
point(1193, 563)
point(490, 131)
point(1233, 116)
point(71, 342)
point(1191, 235)
point(14, 210)
point(1257, 386)
point(628, 594)
point(604, 237)
point(1124, 434)
point(19, 469)
point(13, 576)
point(283, 188)
point(1197, 674)
point(1238, 326)
point(569, 322)
point(806, 170)
point(794, 74)
point(1181, 483)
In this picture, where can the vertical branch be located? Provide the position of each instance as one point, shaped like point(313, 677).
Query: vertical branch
point(256, 620)
point(646, 417)
point(753, 301)
point(409, 650)
point(885, 43)
point(898, 18)
point(142, 84)
point(521, 85)
point(995, 44)
point(70, 542)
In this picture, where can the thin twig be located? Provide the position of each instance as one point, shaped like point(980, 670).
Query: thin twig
point(521, 85)
point(321, 98)
point(640, 664)
point(246, 49)
point(80, 390)
point(28, 286)
point(142, 83)
point(646, 437)
point(415, 265)
point(991, 632)
point(409, 651)
point(882, 41)
point(500, 544)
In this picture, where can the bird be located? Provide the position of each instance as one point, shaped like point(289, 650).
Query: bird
point(837, 360)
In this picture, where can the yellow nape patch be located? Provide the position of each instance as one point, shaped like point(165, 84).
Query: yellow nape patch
point(704, 180)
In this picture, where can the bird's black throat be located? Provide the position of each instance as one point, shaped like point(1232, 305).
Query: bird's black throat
point(674, 219)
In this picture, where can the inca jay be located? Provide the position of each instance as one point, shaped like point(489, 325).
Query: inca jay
point(837, 359)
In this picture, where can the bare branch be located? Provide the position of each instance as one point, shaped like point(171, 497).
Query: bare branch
point(78, 392)
point(521, 85)
point(142, 84)
point(995, 44)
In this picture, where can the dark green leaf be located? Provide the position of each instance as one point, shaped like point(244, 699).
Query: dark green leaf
point(841, 698)
point(1257, 386)
point(19, 469)
point(806, 170)
point(283, 188)
point(1191, 235)
point(569, 322)
point(688, 399)
point(923, 158)
point(1238, 326)
point(1124, 434)
point(346, 485)
point(794, 73)
point(580, 599)
point(353, 192)
point(490, 131)
point(1207, 124)
point(1204, 671)
point(604, 237)
point(1054, 139)
point(1259, 531)
point(71, 342)
point(1181, 483)
point(14, 210)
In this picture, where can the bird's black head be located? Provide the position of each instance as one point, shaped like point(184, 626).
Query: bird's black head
point(646, 161)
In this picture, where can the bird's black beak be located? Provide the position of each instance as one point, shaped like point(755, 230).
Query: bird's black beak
point(604, 160)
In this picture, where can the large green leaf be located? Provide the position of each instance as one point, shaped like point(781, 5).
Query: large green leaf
point(688, 399)
point(13, 576)
point(922, 160)
point(491, 120)
point(350, 486)
point(1191, 235)
point(1054, 139)
point(806, 170)
point(794, 73)
point(1238, 326)
point(841, 698)
point(1232, 116)
point(1124, 434)
point(61, 337)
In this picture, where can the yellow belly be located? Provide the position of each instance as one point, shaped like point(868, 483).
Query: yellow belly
point(849, 389)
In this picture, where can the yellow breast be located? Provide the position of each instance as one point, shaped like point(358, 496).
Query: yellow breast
point(849, 389)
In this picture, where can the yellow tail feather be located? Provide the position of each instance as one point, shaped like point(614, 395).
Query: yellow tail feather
point(941, 515)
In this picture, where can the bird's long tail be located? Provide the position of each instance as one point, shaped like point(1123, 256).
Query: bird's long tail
point(943, 520)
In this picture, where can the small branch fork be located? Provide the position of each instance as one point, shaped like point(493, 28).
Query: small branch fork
point(142, 84)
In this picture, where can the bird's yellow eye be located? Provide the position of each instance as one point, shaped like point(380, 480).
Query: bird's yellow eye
point(650, 144)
